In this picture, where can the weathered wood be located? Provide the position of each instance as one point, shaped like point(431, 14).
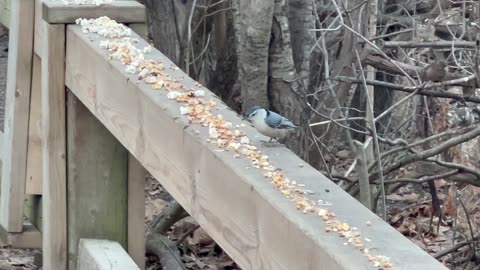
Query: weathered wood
point(136, 211)
point(17, 101)
point(30, 237)
point(34, 153)
point(253, 222)
point(1, 142)
point(121, 11)
point(5, 13)
point(103, 255)
point(97, 181)
point(140, 29)
point(54, 148)
point(39, 35)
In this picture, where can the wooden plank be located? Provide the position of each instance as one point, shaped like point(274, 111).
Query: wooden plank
point(140, 29)
point(136, 211)
point(17, 101)
point(1, 142)
point(39, 35)
point(54, 148)
point(30, 237)
point(34, 153)
point(252, 221)
point(103, 255)
point(121, 11)
point(5, 13)
point(97, 170)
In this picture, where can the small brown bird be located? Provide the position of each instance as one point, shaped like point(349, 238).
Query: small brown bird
point(434, 72)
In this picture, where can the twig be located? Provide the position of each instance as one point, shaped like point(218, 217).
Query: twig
point(363, 182)
point(423, 155)
point(454, 248)
point(423, 92)
point(423, 180)
point(375, 142)
point(433, 44)
point(186, 234)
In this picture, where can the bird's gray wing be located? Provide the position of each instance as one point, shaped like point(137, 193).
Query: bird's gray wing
point(275, 120)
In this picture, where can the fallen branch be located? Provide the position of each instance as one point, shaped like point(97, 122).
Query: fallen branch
point(159, 244)
point(167, 218)
point(423, 92)
point(423, 155)
point(433, 44)
point(165, 250)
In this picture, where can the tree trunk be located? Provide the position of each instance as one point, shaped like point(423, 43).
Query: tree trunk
point(253, 27)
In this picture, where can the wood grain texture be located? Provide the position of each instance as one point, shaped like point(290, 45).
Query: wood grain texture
point(97, 172)
point(54, 148)
point(5, 13)
point(136, 211)
point(254, 223)
point(121, 11)
point(30, 237)
point(17, 102)
point(39, 35)
point(34, 153)
point(103, 255)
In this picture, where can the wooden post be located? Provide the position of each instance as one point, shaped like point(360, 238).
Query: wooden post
point(54, 148)
point(103, 255)
point(97, 181)
point(16, 115)
point(34, 154)
point(136, 211)
point(5, 10)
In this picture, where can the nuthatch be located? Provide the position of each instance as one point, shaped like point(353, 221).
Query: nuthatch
point(269, 123)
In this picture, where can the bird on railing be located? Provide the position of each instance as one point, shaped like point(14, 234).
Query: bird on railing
point(269, 123)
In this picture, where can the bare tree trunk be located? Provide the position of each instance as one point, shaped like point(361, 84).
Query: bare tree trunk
point(162, 29)
point(253, 26)
point(286, 90)
point(302, 22)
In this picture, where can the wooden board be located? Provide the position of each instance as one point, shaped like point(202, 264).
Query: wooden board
point(34, 154)
point(5, 13)
point(30, 237)
point(17, 102)
point(121, 11)
point(39, 35)
point(54, 148)
point(97, 172)
point(136, 211)
point(103, 255)
point(253, 222)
